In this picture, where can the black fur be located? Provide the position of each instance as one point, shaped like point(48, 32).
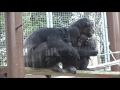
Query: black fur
point(90, 47)
point(43, 41)
point(64, 52)
point(82, 29)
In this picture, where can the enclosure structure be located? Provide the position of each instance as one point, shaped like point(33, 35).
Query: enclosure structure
point(14, 38)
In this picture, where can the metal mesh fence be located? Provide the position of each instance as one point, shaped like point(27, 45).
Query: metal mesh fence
point(2, 40)
point(34, 20)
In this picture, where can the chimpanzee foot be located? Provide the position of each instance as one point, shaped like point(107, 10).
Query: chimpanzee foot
point(48, 76)
point(57, 69)
point(71, 69)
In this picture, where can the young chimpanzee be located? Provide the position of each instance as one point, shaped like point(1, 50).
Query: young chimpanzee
point(88, 46)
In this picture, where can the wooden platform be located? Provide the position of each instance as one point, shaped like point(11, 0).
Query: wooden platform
point(80, 73)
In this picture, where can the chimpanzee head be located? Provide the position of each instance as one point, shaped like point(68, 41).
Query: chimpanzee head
point(85, 26)
point(82, 40)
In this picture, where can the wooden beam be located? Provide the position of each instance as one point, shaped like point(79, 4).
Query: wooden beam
point(3, 69)
point(19, 45)
point(113, 21)
point(11, 45)
point(80, 73)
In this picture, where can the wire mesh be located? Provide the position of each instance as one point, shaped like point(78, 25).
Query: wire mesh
point(2, 40)
point(34, 20)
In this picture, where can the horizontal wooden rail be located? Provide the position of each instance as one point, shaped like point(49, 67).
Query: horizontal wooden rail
point(80, 73)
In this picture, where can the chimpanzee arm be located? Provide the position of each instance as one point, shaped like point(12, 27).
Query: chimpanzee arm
point(62, 47)
point(84, 52)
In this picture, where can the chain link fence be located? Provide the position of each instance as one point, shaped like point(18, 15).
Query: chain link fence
point(34, 20)
point(2, 40)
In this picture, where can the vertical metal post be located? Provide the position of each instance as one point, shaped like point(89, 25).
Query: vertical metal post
point(49, 19)
point(107, 40)
point(47, 15)
point(19, 45)
point(113, 21)
point(105, 37)
point(11, 45)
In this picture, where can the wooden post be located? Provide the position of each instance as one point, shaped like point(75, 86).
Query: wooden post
point(14, 45)
point(113, 20)
point(11, 45)
point(19, 45)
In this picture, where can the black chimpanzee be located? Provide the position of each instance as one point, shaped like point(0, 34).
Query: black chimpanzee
point(58, 38)
point(87, 46)
point(45, 40)
point(83, 30)
point(82, 26)
point(80, 32)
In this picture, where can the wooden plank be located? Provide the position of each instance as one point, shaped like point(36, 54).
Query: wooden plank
point(11, 44)
point(3, 69)
point(80, 73)
point(19, 45)
point(113, 22)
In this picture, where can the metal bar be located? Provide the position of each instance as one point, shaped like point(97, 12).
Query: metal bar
point(51, 19)
point(106, 34)
point(104, 37)
point(47, 15)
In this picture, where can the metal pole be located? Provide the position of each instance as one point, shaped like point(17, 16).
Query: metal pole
point(49, 19)
point(106, 31)
point(104, 37)
point(47, 15)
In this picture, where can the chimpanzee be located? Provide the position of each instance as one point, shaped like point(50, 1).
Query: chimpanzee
point(44, 40)
point(87, 46)
point(57, 40)
point(82, 26)
point(82, 29)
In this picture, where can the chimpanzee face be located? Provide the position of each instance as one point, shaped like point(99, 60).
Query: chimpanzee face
point(87, 28)
point(82, 40)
